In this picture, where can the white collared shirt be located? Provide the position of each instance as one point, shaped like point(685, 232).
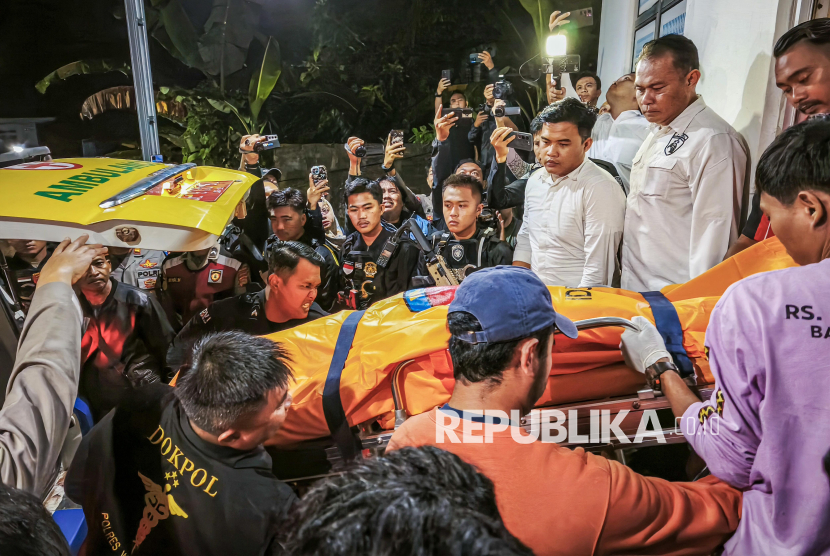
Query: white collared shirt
point(572, 226)
point(617, 141)
point(684, 208)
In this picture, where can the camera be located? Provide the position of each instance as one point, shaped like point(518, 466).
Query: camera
point(502, 89)
point(488, 218)
point(474, 58)
point(266, 143)
point(318, 174)
point(359, 151)
point(395, 136)
point(483, 107)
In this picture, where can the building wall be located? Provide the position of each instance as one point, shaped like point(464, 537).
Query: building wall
point(616, 41)
point(735, 41)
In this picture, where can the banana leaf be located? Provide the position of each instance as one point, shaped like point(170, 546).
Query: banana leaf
point(540, 11)
point(123, 98)
point(81, 67)
point(264, 81)
point(228, 34)
point(177, 34)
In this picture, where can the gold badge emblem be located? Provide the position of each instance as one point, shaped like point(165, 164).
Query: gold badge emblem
point(371, 269)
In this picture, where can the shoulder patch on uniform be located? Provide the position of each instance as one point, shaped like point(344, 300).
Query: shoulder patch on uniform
point(205, 314)
point(175, 261)
point(227, 261)
point(215, 276)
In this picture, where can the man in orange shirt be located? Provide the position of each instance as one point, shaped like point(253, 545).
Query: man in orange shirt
point(556, 501)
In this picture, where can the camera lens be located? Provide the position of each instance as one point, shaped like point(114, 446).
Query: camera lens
point(360, 151)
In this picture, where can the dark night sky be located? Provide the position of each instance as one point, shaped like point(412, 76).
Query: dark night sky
point(39, 36)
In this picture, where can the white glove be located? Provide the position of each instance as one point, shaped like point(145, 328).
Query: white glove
point(644, 347)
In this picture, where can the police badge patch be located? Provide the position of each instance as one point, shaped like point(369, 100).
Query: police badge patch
point(215, 277)
point(675, 143)
point(370, 269)
point(457, 252)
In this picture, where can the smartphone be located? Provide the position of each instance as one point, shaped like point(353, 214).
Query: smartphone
point(318, 174)
point(446, 74)
point(460, 113)
point(522, 141)
point(395, 136)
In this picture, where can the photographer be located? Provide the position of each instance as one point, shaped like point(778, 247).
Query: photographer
point(255, 225)
point(486, 122)
point(457, 99)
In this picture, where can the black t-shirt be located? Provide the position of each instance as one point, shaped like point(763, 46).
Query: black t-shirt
point(244, 312)
point(149, 485)
point(386, 282)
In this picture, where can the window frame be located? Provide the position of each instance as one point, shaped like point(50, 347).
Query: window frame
point(652, 16)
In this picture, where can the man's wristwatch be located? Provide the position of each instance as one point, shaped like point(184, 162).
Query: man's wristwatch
point(385, 169)
point(653, 373)
point(437, 95)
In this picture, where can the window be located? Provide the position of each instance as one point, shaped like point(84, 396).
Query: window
point(657, 18)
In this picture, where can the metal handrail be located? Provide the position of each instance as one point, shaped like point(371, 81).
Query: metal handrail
point(142, 186)
point(587, 324)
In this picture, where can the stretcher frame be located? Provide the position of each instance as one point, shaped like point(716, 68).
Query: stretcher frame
point(374, 443)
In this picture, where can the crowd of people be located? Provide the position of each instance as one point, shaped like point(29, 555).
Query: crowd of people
point(648, 190)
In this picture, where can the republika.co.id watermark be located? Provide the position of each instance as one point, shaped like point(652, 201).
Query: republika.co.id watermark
point(553, 425)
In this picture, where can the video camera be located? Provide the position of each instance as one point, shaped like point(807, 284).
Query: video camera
point(264, 143)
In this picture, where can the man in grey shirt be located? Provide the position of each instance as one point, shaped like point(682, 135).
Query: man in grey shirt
point(43, 386)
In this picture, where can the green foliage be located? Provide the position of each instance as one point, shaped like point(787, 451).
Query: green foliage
point(423, 135)
point(264, 80)
point(540, 11)
point(81, 67)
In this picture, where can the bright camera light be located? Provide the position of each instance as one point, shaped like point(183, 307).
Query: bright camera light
point(17, 149)
point(557, 45)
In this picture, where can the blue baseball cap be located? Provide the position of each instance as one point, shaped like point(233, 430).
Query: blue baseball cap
point(510, 302)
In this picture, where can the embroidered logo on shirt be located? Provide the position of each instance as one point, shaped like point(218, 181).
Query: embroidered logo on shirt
point(159, 506)
point(457, 252)
point(148, 264)
point(675, 143)
point(707, 410)
point(215, 276)
point(370, 269)
point(348, 267)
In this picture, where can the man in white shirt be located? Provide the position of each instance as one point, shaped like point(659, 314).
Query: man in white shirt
point(688, 178)
point(620, 133)
point(573, 210)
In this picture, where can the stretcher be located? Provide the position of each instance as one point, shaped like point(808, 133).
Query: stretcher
point(348, 404)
